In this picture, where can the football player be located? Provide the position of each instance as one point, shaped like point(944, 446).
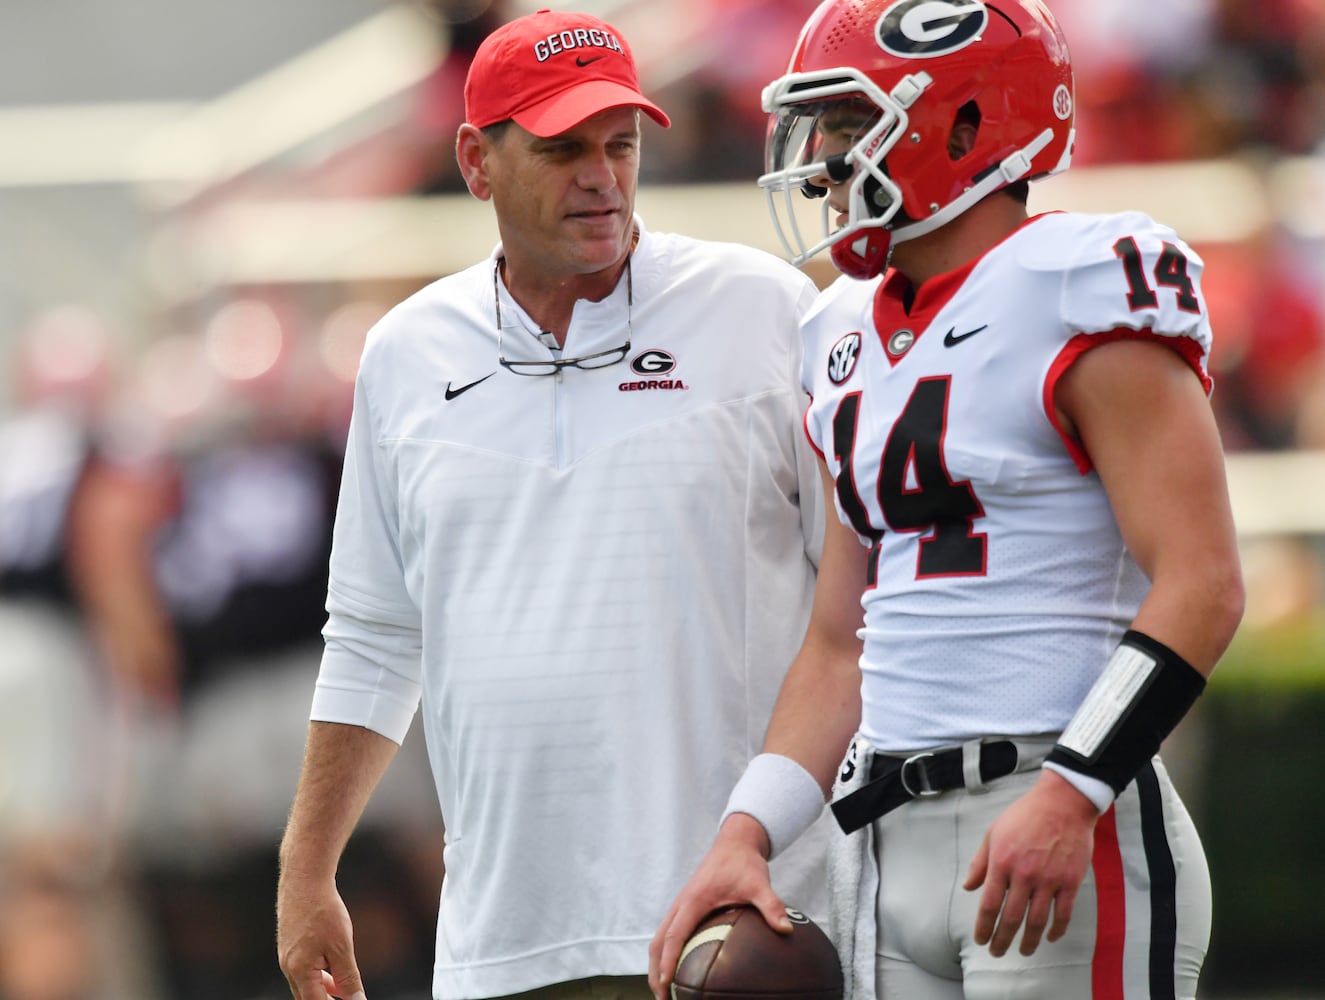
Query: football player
point(1013, 418)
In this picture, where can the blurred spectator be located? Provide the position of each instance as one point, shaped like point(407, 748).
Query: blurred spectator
point(63, 909)
point(463, 25)
point(710, 76)
point(1132, 105)
point(1201, 78)
point(1276, 46)
point(46, 684)
point(1269, 354)
point(199, 550)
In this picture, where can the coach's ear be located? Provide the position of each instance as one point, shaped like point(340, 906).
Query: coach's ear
point(471, 152)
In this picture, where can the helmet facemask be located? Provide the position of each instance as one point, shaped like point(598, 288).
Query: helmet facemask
point(835, 126)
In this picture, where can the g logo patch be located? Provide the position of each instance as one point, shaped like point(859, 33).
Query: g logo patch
point(900, 342)
point(842, 358)
point(652, 362)
point(923, 29)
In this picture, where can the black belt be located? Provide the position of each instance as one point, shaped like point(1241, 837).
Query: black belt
point(894, 781)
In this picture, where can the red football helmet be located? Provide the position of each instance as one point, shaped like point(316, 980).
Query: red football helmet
point(916, 65)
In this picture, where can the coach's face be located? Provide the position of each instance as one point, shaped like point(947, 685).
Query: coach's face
point(564, 203)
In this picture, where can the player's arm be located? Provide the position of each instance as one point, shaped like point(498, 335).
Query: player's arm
point(1144, 419)
point(342, 766)
point(818, 707)
point(1147, 425)
point(817, 713)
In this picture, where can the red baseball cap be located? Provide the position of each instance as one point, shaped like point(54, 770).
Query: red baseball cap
point(551, 70)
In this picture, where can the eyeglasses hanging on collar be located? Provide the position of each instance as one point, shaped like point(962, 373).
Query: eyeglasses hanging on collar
point(602, 359)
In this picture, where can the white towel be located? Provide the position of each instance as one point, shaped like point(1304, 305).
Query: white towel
point(853, 883)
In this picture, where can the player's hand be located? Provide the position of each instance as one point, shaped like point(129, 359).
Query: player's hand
point(1031, 863)
point(734, 872)
point(315, 940)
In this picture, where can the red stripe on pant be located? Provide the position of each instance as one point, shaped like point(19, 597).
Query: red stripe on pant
point(1110, 911)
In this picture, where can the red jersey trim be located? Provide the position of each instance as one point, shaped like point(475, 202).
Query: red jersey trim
point(1189, 350)
point(1106, 972)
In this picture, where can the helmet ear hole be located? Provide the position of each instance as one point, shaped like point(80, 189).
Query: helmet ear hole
point(965, 130)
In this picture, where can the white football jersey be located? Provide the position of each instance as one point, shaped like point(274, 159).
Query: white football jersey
point(594, 580)
point(1000, 583)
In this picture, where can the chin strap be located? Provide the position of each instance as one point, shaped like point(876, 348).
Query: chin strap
point(1012, 169)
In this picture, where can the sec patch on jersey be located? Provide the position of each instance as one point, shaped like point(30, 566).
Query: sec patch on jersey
point(734, 955)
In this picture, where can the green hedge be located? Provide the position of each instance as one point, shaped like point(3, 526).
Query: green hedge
point(1289, 655)
point(1262, 810)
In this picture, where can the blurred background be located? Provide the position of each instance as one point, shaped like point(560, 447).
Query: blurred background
point(204, 206)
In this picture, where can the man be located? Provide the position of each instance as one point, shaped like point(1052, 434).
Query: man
point(577, 520)
point(1014, 420)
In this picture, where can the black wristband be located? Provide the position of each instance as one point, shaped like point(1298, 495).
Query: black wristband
point(1142, 694)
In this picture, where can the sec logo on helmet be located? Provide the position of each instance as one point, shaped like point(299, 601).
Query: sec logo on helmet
point(924, 29)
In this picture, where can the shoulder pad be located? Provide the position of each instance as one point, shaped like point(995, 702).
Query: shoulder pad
point(1063, 241)
point(844, 292)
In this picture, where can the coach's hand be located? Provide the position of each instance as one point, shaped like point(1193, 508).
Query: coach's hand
point(734, 872)
point(314, 939)
point(1031, 863)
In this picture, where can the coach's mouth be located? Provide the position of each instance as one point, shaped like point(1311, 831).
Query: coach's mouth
point(594, 215)
point(603, 222)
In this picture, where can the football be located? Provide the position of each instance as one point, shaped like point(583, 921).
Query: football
point(734, 955)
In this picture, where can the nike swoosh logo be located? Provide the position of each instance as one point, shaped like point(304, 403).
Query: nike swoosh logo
point(952, 338)
point(582, 62)
point(452, 393)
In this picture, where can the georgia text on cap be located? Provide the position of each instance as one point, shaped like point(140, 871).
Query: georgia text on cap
point(579, 38)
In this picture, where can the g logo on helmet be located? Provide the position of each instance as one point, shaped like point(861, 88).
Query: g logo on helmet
point(923, 29)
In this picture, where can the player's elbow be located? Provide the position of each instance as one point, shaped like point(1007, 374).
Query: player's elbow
point(1217, 601)
point(1227, 601)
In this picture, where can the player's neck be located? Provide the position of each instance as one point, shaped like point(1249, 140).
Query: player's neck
point(969, 236)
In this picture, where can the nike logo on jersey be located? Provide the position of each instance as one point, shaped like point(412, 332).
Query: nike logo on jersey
point(452, 393)
point(581, 62)
point(952, 338)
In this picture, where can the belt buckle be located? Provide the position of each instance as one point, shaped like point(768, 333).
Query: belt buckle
point(926, 790)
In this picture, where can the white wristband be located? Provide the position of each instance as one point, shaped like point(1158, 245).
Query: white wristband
point(1097, 791)
point(781, 795)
